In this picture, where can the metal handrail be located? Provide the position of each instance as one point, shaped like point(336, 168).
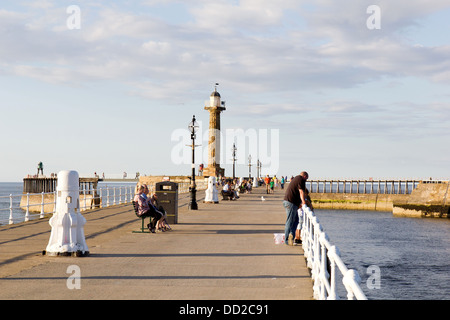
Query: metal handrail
point(321, 256)
point(89, 199)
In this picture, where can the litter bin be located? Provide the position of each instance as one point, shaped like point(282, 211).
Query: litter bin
point(167, 193)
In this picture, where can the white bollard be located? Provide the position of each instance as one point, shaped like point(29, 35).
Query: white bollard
point(211, 194)
point(67, 236)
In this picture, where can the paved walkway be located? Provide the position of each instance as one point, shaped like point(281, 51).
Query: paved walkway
point(222, 251)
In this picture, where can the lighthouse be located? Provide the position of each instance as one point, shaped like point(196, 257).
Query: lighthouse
point(215, 107)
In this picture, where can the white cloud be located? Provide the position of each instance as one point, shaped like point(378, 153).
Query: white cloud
point(274, 69)
point(232, 40)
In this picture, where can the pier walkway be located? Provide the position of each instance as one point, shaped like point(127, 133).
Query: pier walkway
point(222, 251)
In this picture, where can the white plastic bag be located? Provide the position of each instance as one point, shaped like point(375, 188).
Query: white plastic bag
point(278, 238)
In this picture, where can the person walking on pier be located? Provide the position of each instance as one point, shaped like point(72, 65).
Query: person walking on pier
point(294, 198)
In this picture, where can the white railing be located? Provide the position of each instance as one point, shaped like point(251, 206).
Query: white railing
point(40, 204)
point(324, 261)
point(37, 205)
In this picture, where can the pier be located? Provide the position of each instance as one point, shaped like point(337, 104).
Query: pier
point(222, 251)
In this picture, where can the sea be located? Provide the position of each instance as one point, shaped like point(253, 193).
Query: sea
point(397, 258)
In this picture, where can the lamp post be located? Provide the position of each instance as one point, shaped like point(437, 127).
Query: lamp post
point(193, 127)
point(234, 159)
point(249, 166)
point(258, 167)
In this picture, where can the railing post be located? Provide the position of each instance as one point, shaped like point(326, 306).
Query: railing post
point(27, 213)
point(42, 205)
point(84, 196)
point(324, 276)
point(316, 257)
point(11, 220)
point(332, 253)
point(100, 196)
point(351, 277)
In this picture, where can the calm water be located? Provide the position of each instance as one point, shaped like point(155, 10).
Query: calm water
point(413, 254)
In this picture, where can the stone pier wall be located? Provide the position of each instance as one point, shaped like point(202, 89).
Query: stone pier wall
point(427, 200)
point(346, 201)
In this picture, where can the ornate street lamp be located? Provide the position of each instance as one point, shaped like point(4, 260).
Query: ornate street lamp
point(193, 127)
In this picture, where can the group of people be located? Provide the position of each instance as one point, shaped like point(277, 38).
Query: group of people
point(273, 183)
point(232, 187)
point(229, 190)
point(149, 207)
point(296, 196)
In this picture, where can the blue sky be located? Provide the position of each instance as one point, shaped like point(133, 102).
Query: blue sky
point(117, 94)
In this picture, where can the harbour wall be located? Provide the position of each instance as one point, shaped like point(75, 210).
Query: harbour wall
point(427, 200)
point(346, 201)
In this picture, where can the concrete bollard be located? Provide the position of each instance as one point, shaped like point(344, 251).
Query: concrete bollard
point(211, 194)
point(67, 235)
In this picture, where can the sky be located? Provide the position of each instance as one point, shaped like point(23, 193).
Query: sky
point(341, 89)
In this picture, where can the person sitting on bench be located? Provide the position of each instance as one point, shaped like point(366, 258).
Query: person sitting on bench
point(162, 224)
point(145, 208)
point(227, 191)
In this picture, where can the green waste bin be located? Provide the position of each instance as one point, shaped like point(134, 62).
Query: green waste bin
point(167, 193)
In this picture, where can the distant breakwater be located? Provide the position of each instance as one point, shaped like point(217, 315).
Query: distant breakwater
point(426, 199)
point(347, 201)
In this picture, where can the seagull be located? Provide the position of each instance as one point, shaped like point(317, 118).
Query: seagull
point(262, 198)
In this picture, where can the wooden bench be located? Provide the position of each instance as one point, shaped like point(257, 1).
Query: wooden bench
point(143, 229)
point(226, 196)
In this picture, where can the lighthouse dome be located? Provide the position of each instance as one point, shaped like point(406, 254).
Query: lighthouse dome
point(215, 94)
point(214, 99)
